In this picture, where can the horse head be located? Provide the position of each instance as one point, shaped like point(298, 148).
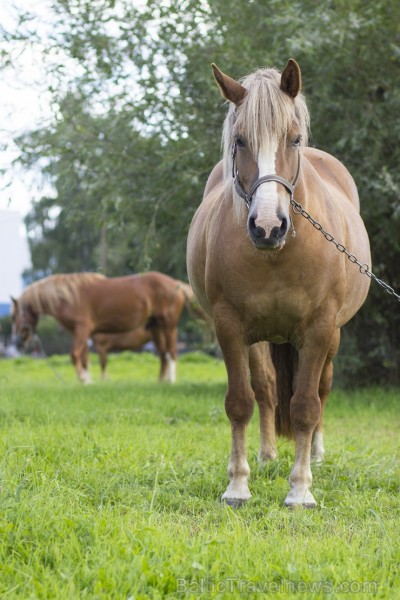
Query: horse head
point(266, 126)
point(24, 322)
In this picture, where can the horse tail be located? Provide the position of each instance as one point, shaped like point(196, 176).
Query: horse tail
point(284, 357)
point(191, 302)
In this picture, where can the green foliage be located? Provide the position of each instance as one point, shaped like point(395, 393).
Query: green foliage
point(138, 121)
point(113, 491)
point(6, 326)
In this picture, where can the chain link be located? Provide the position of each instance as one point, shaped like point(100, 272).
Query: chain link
point(364, 268)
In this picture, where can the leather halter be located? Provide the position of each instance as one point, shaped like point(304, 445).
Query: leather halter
point(247, 197)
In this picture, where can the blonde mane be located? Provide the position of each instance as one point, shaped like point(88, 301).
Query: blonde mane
point(263, 118)
point(46, 294)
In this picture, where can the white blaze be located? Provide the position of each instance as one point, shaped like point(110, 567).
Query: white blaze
point(266, 200)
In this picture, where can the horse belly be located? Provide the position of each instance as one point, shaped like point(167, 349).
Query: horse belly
point(113, 317)
point(357, 283)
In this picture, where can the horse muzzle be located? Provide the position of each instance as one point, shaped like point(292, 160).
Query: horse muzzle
point(262, 241)
point(22, 338)
point(19, 342)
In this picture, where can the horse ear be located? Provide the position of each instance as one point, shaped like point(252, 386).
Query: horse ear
point(230, 89)
point(291, 78)
point(14, 309)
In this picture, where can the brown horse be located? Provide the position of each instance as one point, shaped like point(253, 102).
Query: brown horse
point(132, 340)
point(265, 274)
point(89, 303)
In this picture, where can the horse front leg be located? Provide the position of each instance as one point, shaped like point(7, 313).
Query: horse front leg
point(305, 414)
point(263, 382)
point(79, 355)
point(239, 403)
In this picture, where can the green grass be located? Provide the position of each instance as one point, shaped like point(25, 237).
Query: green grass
point(113, 491)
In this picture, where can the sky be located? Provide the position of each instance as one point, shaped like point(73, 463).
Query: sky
point(14, 256)
point(24, 97)
point(23, 104)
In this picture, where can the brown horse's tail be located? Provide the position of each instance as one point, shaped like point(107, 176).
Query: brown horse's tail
point(191, 302)
point(284, 357)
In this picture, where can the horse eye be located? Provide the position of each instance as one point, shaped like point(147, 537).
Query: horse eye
point(240, 142)
point(297, 141)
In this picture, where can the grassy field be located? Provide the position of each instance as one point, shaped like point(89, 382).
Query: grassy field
point(113, 491)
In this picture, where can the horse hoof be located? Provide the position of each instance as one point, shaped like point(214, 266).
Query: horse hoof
point(264, 458)
point(300, 500)
point(317, 456)
point(300, 506)
point(234, 502)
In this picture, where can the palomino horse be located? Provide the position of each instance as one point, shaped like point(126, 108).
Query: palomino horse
point(132, 340)
point(265, 274)
point(89, 303)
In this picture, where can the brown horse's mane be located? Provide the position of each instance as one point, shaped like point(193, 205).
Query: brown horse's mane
point(264, 117)
point(47, 293)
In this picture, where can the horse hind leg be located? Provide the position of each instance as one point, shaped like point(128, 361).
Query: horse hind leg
point(164, 335)
point(171, 368)
point(160, 342)
point(171, 339)
point(263, 382)
point(318, 447)
point(163, 376)
point(102, 351)
point(325, 386)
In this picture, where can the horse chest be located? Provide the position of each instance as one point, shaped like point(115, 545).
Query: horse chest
point(269, 299)
point(273, 316)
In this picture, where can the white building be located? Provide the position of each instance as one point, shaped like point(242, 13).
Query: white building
point(14, 257)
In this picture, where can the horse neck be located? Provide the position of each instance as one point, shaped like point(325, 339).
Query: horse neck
point(310, 193)
point(39, 302)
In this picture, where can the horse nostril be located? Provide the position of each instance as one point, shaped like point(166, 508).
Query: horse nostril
point(255, 230)
point(283, 228)
point(280, 232)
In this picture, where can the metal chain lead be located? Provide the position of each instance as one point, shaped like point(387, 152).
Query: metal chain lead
point(364, 268)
